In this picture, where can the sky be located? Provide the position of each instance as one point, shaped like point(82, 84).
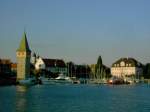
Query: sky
point(77, 30)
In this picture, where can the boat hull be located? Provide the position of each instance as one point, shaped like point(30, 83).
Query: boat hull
point(27, 82)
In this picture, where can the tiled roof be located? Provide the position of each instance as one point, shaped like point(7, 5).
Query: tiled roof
point(128, 61)
point(54, 63)
point(5, 61)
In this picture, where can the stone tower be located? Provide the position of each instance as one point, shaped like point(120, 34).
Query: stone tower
point(23, 59)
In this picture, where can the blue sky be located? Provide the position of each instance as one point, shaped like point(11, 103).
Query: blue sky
point(77, 30)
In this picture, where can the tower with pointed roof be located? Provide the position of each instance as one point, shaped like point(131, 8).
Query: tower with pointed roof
point(23, 55)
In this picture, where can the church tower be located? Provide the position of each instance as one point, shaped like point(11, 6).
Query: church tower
point(23, 59)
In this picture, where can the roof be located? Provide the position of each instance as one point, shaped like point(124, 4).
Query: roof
point(127, 61)
point(14, 65)
point(5, 61)
point(24, 44)
point(54, 63)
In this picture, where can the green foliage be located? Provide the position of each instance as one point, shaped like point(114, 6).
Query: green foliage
point(100, 70)
point(146, 71)
point(99, 61)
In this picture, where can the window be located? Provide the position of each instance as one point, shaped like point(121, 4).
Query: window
point(122, 63)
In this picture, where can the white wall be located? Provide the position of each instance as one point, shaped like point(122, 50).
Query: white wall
point(122, 71)
point(39, 64)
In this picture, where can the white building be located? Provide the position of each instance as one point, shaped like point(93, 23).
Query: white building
point(126, 67)
point(39, 64)
point(51, 65)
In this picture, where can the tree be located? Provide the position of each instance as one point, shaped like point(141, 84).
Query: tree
point(146, 71)
point(99, 68)
point(71, 69)
point(101, 71)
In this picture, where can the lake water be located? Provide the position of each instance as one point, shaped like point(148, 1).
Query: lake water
point(75, 98)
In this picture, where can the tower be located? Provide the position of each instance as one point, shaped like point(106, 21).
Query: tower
point(23, 59)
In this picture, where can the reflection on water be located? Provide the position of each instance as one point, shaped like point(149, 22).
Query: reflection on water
point(75, 98)
point(21, 88)
point(21, 99)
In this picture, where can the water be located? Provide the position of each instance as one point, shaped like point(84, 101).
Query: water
point(75, 98)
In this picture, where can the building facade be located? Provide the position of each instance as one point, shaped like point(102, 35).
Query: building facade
point(126, 67)
point(5, 67)
point(51, 65)
point(23, 55)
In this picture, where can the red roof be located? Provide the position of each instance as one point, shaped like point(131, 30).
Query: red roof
point(14, 65)
point(54, 63)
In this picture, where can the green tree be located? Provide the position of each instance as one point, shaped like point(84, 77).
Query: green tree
point(99, 68)
point(101, 71)
point(146, 71)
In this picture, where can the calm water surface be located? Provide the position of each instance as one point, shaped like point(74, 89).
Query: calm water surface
point(75, 98)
